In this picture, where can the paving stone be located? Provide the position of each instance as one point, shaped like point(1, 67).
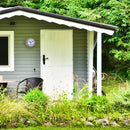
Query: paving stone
point(126, 122)
point(103, 122)
point(89, 123)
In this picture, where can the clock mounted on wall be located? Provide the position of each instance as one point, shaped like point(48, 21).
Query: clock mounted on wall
point(30, 42)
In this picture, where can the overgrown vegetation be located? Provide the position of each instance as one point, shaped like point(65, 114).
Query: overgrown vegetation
point(35, 108)
point(116, 48)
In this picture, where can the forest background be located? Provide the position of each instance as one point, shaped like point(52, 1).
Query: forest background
point(116, 48)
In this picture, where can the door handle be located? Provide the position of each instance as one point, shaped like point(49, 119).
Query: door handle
point(44, 58)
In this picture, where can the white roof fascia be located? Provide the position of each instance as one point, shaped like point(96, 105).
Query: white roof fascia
point(57, 21)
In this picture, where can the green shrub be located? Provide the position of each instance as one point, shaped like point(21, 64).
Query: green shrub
point(36, 97)
point(99, 104)
point(96, 104)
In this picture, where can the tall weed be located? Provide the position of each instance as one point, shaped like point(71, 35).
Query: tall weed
point(12, 112)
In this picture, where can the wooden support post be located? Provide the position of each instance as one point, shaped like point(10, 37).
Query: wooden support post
point(99, 64)
point(90, 44)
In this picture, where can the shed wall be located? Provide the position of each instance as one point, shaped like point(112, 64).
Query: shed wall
point(26, 59)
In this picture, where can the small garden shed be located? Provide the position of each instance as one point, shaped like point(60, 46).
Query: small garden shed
point(34, 43)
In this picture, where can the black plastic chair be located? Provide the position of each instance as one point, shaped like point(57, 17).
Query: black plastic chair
point(30, 83)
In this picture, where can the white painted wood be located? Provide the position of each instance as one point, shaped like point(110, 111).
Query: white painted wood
point(56, 20)
point(57, 72)
point(10, 66)
point(7, 81)
point(90, 45)
point(99, 64)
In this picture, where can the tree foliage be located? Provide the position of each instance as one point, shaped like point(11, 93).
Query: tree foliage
point(113, 12)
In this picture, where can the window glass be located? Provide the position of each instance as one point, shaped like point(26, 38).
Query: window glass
point(3, 50)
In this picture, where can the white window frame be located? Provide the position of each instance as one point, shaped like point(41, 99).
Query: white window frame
point(10, 35)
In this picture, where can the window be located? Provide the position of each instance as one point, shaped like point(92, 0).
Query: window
point(3, 50)
point(6, 50)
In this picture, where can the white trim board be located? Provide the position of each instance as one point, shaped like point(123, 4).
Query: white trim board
point(10, 35)
point(57, 21)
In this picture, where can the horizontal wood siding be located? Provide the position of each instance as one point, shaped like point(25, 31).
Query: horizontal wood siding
point(80, 57)
point(26, 59)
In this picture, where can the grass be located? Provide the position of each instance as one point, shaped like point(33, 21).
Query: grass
point(117, 92)
point(69, 128)
point(111, 85)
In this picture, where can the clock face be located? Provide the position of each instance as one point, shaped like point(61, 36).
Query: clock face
point(30, 42)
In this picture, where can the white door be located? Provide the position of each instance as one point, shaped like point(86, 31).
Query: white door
point(57, 62)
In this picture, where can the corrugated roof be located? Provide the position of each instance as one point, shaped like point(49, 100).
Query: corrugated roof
point(76, 20)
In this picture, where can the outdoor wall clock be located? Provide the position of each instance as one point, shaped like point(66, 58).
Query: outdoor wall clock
point(30, 42)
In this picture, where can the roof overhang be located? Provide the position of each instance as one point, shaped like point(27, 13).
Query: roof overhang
point(58, 19)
